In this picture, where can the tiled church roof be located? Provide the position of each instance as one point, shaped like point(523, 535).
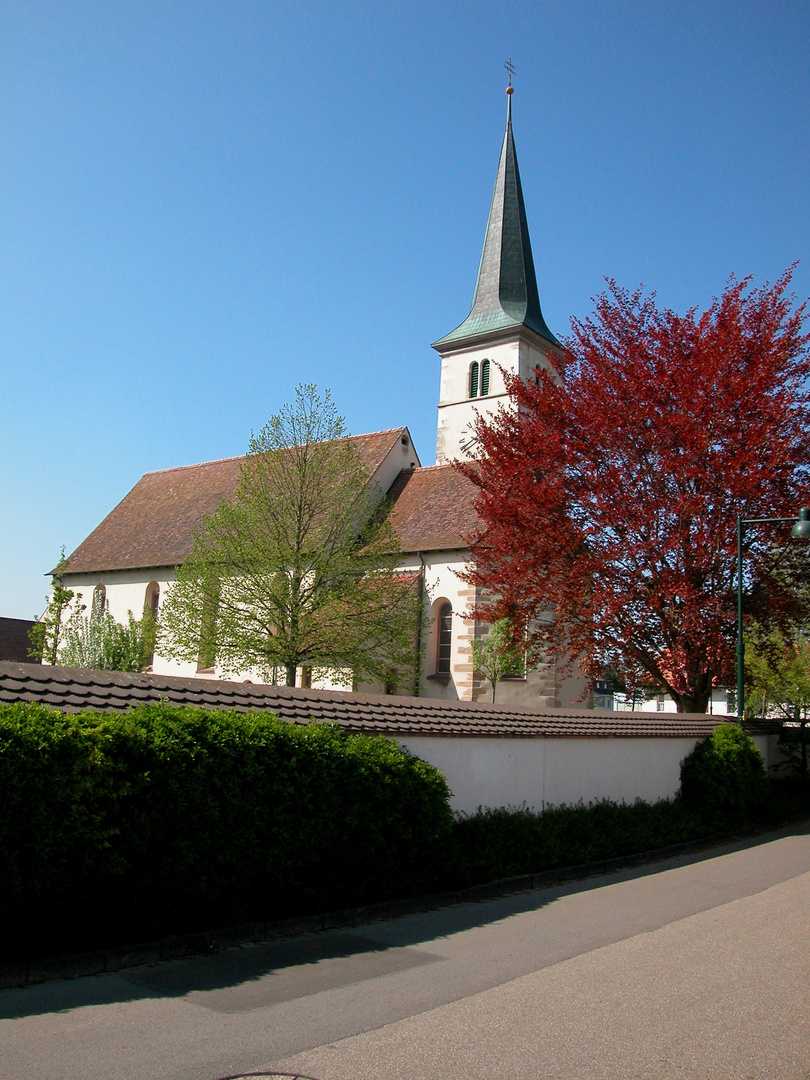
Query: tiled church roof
point(153, 525)
point(76, 690)
point(433, 509)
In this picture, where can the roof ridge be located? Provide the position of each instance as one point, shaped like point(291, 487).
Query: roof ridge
point(428, 468)
point(240, 457)
point(368, 434)
point(194, 465)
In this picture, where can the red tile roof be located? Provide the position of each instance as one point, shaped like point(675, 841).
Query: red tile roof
point(154, 524)
point(77, 690)
point(433, 509)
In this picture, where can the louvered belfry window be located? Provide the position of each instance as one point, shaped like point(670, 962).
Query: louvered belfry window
point(445, 639)
point(474, 379)
point(485, 378)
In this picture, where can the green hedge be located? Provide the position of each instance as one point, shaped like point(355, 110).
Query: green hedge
point(170, 818)
point(498, 843)
point(163, 820)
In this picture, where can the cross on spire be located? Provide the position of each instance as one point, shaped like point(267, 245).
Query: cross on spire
point(510, 67)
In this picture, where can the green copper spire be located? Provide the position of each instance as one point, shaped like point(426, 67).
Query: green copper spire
point(506, 294)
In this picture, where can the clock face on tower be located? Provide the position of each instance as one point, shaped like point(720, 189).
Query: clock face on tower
point(469, 440)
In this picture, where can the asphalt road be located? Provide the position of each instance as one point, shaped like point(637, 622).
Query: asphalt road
point(697, 967)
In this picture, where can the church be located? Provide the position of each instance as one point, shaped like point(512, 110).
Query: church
point(129, 560)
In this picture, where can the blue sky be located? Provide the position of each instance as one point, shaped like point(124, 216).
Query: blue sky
point(203, 204)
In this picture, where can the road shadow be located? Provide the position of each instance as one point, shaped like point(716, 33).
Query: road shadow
point(293, 967)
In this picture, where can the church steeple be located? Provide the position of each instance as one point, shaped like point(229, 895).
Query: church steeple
point(505, 333)
point(506, 294)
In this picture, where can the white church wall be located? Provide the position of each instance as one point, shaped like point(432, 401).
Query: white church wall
point(457, 410)
point(543, 687)
point(443, 585)
point(532, 357)
point(536, 773)
point(125, 591)
point(402, 456)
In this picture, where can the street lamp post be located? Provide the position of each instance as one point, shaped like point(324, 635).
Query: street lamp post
point(800, 531)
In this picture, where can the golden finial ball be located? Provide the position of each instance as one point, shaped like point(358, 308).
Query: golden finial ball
point(510, 89)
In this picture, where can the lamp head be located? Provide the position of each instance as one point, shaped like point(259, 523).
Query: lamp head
point(801, 530)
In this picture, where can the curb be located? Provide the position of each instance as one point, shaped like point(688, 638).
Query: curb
point(179, 946)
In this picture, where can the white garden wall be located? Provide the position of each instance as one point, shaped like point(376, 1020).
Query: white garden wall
point(540, 772)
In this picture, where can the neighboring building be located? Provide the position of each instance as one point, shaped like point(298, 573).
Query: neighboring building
point(15, 642)
point(721, 703)
point(129, 559)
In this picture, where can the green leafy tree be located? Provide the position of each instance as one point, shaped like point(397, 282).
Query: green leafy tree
point(497, 655)
point(46, 634)
point(777, 669)
point(299, 568)
point(98, 641)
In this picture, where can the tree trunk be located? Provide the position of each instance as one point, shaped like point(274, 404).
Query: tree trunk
point(692, 703)
point(797, 715)
point(291, 670)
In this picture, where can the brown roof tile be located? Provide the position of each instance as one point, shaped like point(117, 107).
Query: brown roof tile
point(154, 524)
point(433, 509)
point(74, 690)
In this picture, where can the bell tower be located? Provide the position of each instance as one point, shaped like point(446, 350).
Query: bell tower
point(505, 328)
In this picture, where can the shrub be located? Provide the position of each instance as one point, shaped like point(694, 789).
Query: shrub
point(98, 641)
point(724, 777)
point(172, 818)
point(496, 843)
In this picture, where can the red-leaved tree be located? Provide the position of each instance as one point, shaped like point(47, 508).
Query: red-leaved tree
point(609, 490)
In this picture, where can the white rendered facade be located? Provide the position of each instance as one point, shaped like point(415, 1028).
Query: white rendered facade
point(126, 591)
point(518, 355)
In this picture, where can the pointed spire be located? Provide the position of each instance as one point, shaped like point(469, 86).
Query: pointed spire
point(506, 294)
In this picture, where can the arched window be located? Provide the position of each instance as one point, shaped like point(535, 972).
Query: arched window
point(208, 628)
point(445, 639)
point(474, 379)
point(485, 378)
point(152, 601)
point(99, 602)
point(150, 607)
